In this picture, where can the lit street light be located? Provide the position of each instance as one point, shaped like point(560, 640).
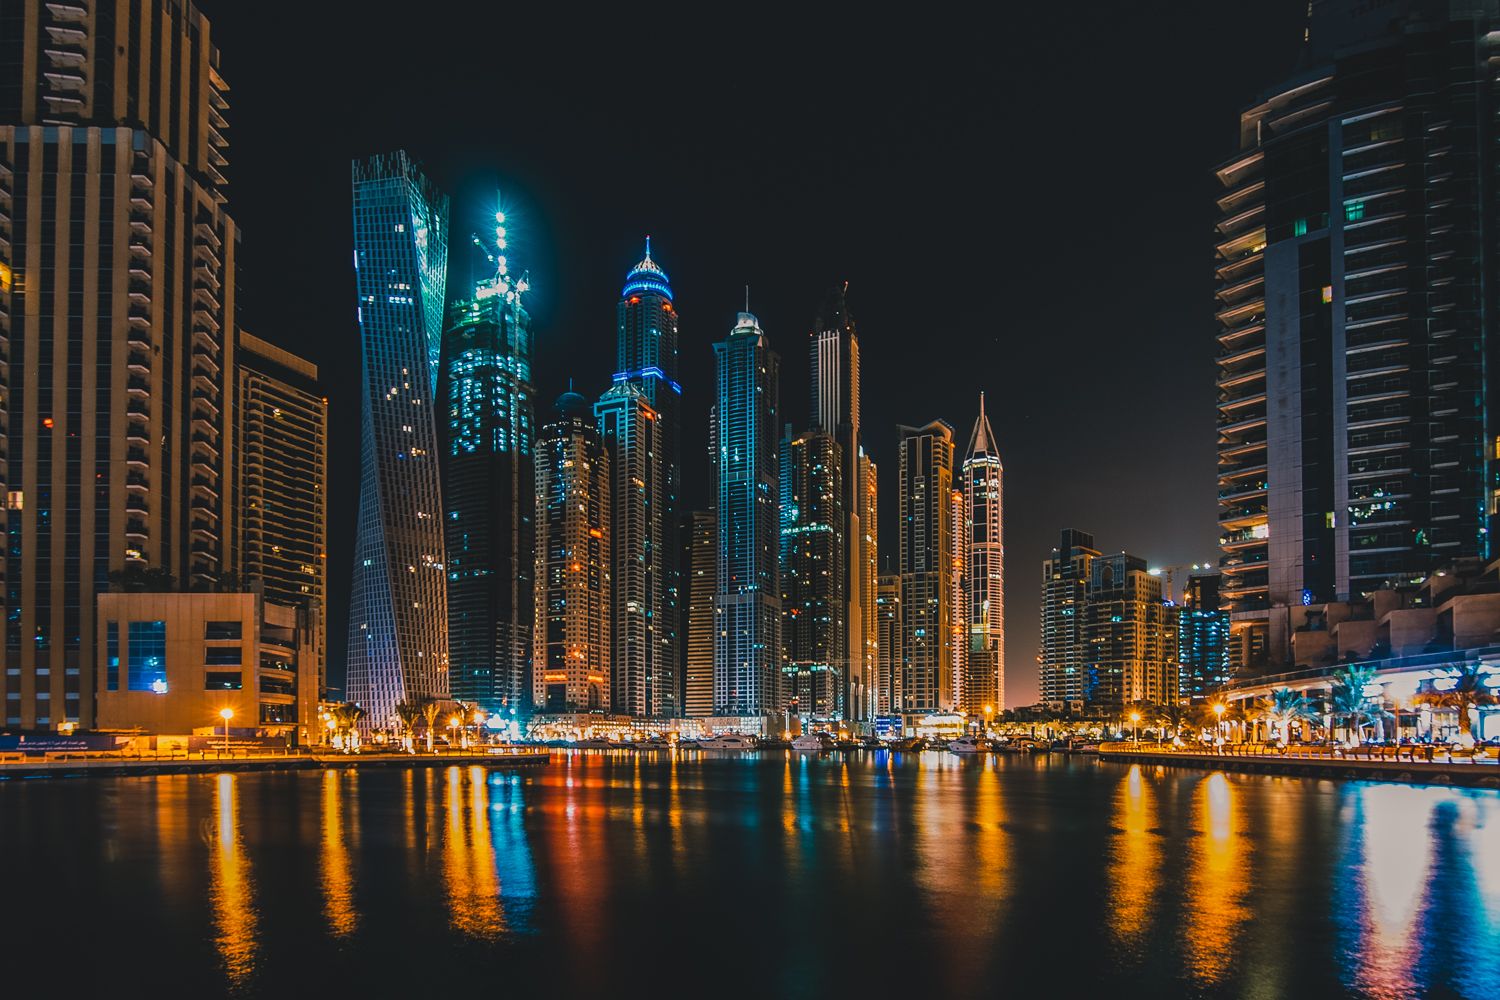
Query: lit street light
point(1219, 709)
point(226, 714)
point(1135, 721)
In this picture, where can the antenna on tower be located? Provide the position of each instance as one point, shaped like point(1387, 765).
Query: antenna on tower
point(747, 298)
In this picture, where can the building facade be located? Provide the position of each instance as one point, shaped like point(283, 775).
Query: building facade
point(813, 603)
point(485, 405)
point(700, 539)
point(646, 357)
point(398, 608)
point(1130, 635)
point(643, 676)
point(117, 263)
point(927, 570)
point(1355, 259)
point(747, 598)
point(172, 663)
point(281, 478)
point(1063, 658)
point(572, 633)
point(888, 622)
point(835, 369)
point(984, 612)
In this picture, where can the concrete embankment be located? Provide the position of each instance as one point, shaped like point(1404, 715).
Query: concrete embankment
point(1477, 774)
point(113, 766)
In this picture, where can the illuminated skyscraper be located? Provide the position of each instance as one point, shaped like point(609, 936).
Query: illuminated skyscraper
point(888, 643)
point(1202, 639)
point(747, 604)
point(489, 496)
point(398, 609)
point(958, 595)
point(835, 371)
point(813, 631)
point(1063, 654)
point(699, 547)
point(646, 357)
point(572, 633)
point(985, 573)
point(117, 323)
point(927, 569)
point(1130, 636)
point(1356, 254)
point(643, 668)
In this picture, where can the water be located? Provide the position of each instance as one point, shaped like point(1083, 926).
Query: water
point(608, 874)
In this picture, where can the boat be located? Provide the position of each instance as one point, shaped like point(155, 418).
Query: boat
point(819, 741)
point(688, 744)
point(595, 743)
point(912, 743)
point(969, 744)
point(729, 741)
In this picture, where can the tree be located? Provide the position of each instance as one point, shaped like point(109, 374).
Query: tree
point(1469, 691)
point(407, 713)
point(430, 709)
point(1348, 703)
point(1175, 715)
point(465, 712)
point(1286, 707)
point(345, 719)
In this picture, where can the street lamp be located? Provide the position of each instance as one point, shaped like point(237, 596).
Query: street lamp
point(988, 710)
point(226, 714)
point(1135, 721)
point(453, 723)
point(1219, 709)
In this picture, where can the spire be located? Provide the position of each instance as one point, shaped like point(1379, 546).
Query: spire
point(981, 441)
point(647, 278)
point(648, 246)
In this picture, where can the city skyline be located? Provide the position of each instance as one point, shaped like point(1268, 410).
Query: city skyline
point(579, 222)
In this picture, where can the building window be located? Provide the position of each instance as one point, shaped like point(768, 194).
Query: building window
point(1354, 210)
point(1299, 228)
point(222, 680)
point(112, 656)
point(147, 669)
point(223, 656)
point(222, 630)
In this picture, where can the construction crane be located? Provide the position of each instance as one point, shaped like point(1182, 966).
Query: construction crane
point(1167, 572)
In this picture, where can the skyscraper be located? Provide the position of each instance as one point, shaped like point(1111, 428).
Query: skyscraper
point(1063, 653)
point(646, 357)
point(117, 306)
point(281, 477)
point(888, 621)
point(700, 541)
point(1202, 639)
point(398, 608)
point(813, 549)
point(1357, 370)
point(485, 403)
point(643, 668)
point(958, 595)
point(747, 602)
point(985, 575)
point(927, 569)
point(1130, 637)
point(835, 372)
point(572, 633)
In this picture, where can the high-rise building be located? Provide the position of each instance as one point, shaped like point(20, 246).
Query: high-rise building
point(747, 600)
point(572, 634)
point(398, 607)
point(646, 357)
point(1130, 636)
point(1357, 366)
point(888, 643)
point(700, 541)
point(281, 478)
point(117, 265)
point(1202, 639)
point(927, 569)
point(643, 668)
point(958, 592)
point(813, 604)
point(485, 401)
point(1063, 657)
point(984, 624)
point(834, 351)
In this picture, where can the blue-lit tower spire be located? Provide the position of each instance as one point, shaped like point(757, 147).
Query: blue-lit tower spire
point(646, 360)
point(398, 619)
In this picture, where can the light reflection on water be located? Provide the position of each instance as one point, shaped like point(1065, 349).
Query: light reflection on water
point(895, 871)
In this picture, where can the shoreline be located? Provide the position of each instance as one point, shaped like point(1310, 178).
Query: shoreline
point(82, 766)
point(1403, 771)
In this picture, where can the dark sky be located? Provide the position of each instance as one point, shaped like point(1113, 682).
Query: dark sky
point(1023, 206)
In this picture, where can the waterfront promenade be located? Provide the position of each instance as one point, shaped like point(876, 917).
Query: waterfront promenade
point(1414, 764)
point(105, 764)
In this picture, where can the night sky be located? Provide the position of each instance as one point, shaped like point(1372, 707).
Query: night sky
point(1023, 206)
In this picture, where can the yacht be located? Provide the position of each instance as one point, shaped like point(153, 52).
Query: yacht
point(970, 744)
point(595, 743)
point(814, 741)
point(729, 741)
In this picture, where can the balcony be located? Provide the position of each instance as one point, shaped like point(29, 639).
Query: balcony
point(138, 363)
point(135, 530)
point(137, 386)
point(136, 481)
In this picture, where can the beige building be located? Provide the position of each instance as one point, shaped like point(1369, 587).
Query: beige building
point(170, 663)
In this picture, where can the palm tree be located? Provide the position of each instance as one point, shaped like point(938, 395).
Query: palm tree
point(465, 712)
point(1469, 691)
point(345, 718)
point(1286, 707)
point(1347, 701)
point(1174, 714)
point(430, 709)
point(408, 713)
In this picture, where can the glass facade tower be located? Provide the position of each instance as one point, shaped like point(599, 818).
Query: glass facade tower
point(929, 570)
point(813, 604)
point(489, 497)
point(398, 614)
point(985, 573)
point(747, 601)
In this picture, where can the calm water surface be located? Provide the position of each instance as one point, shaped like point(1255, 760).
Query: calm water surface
point(923, 875)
